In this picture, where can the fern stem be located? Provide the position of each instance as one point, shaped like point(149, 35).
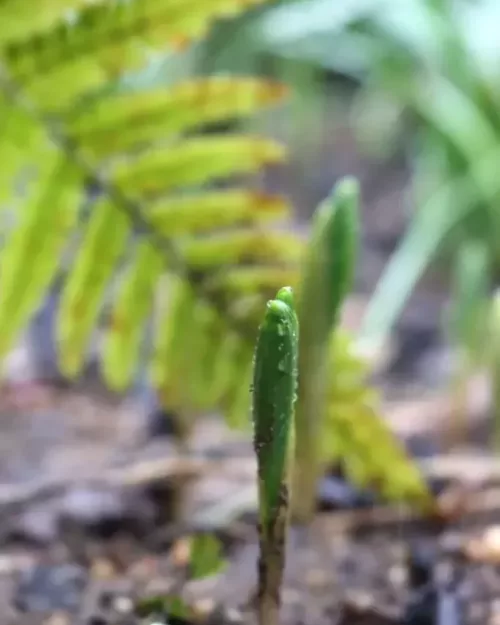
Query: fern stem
point(274, 392)
point(326, 281)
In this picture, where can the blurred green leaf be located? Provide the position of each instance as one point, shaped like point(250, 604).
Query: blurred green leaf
point(177, 607)
point(206, 556)
point(468, 318)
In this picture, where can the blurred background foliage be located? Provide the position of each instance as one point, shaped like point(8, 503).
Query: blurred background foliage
point(416, 81)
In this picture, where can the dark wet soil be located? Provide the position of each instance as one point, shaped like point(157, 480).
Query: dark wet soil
point(87, 532)
point(359, 563)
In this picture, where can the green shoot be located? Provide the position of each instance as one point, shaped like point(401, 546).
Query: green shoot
point(326, 282)
point(274, 393)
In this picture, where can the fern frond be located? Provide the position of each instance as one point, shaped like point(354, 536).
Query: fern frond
point(237, 281)
point(31, 256)
point(202, 212)
point(19, 136)
point(104, 242)
point(205, 385)
point(121, 122)
point(241, 246)
point(194, 162)
point(218, 371)
point(236, 402)
point(193, 360)
point(173, 329)
point(105, 24)
point(132, 308)
point(103, 41)
point(355, 434)
point(19, 21)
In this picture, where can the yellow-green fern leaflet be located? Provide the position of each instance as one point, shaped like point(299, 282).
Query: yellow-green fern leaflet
point(106, 39)
point(242, 245)
point(170, 362)
point(194, 162)
point(32, 254)
point(133, 306)
point(103, 244)
point(207, 211)
point(119, 123)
